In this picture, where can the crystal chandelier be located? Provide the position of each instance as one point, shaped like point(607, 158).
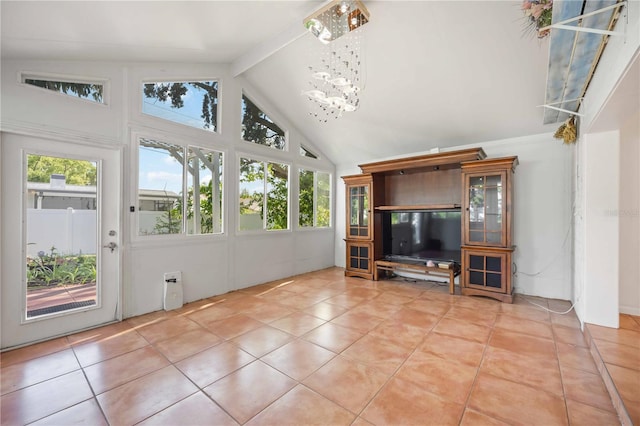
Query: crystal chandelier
point(336, 77)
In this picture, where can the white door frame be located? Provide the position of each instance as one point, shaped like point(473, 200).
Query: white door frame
point(16, 329)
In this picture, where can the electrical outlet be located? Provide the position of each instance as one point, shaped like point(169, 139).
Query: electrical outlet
point(173, 276)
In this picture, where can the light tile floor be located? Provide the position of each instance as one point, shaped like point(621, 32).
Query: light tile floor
point(617, 356)
point(319, 348)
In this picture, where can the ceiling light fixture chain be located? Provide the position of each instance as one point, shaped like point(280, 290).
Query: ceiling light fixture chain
point(336, 77)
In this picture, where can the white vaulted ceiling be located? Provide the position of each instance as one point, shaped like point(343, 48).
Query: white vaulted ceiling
point(438, 73)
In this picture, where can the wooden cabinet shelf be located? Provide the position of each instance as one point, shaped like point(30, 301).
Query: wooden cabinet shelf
point(441, 160)
point(420, 207)
point(451, 270)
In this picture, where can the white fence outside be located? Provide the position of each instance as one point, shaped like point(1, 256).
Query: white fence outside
point(69, 231)
point(147, 221)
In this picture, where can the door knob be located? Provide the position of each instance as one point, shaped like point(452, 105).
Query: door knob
point(111, 246)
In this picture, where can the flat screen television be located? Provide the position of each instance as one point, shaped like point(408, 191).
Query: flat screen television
point(421, 235)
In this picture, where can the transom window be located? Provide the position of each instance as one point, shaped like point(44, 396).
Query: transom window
point(314, 199)
point(305, 152)
point(258, 128)
point(91, 91)
point(264, 195)
point(193, 103)
point(177, 196)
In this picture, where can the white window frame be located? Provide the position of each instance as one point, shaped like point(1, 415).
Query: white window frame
point(310, 151)
point(263, 160)
point(155, 118)
point(315, 198)
point(66, 78)
point(274, 117)
point(135, 186)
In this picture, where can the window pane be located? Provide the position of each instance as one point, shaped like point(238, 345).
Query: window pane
point(193, 103)
point(354, 200)
point(476, 262)
point(494, 237)
point(476, 181)
point(277, 196)
point(494, 264)
point(89, 91)
point(476, 278)
point(305, 199)
point(204, 191)
point(61, 229)
point(258, 128)
point(494, 280)
point(251, 194)
point(159, 187)
point(494, 180)
point(306, 153)
point(323, 197)
point(365, 206)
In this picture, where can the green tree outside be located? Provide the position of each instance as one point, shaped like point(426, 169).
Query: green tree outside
point(76, 172)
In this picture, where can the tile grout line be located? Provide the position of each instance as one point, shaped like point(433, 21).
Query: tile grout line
point(564, 391)
point(403, 362)
point(475, 378)
point(95, 397)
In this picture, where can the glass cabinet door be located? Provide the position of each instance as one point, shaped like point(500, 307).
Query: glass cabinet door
point(358, 211)
point(486, 209)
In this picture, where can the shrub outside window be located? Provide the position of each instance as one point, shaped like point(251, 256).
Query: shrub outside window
point(314, 199)
point(258, 128)
point(193, 103)
point(177, 196)
point(264, 195)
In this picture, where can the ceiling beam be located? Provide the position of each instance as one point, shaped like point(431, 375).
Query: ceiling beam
point(270, 46)
point(267, 48)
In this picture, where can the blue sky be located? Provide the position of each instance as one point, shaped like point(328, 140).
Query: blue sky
point(158, 170)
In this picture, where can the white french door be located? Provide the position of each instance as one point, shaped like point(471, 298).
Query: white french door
point(60, 238)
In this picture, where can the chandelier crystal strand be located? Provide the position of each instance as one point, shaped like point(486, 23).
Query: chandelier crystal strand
point(336, 77)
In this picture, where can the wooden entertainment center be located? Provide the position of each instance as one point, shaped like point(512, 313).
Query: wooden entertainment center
point(481, 189)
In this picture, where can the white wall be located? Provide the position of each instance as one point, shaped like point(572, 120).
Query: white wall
point(599, 297)
point(601, 121)
point(28, 109)
point(210, 265)
point(542, 212)
point(629, 216)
